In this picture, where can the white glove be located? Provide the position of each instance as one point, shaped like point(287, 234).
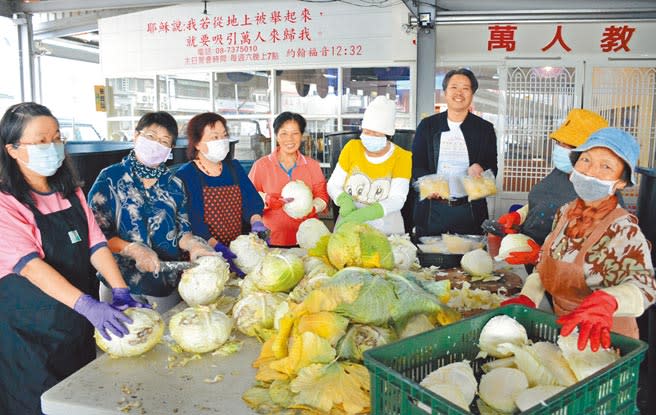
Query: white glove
point(145, 258)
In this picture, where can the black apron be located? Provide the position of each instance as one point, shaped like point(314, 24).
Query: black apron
point(43, 341)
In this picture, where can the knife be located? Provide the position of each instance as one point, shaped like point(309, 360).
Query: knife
point(174, 266)
point(495, 228)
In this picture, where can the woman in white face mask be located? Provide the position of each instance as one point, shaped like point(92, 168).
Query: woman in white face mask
point(50, 249)
point(223, 203)
point(142, 209)
point(535, 219)
point(596, 263)
point(371, 180)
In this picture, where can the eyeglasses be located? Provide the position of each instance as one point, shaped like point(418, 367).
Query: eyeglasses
point(165, 141)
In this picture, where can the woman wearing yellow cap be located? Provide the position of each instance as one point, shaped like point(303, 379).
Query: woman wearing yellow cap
point(535, 219)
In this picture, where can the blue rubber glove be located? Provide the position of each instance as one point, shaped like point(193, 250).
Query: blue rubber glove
point(121, 299)
point(345, 203)
point(103, 316)
point(364, 214)
point(228, 255)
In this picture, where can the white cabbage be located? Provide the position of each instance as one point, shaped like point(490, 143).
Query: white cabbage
point(302, 195)
point(307, 285)
point(458, 375)
point(279, 272)
point(204, 283)
point(513, 242)
point(528, 362)
point(250, 251)
point(309, 232)
point(404, 251)
point(254, 314)
point(499, 388)
point(536, 395)
point(200, 329)
point(501, 329)
point(447, 392)
point(503, 362)
point(145, 332)
point(584, 362)
point(552, 358)
point(418, 323)
point(477, 263)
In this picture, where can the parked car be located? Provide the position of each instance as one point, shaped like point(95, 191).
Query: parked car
point(78, 131)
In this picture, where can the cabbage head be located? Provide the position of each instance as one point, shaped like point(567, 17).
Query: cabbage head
point(302, 204)
point(250, 251)
point(145, 332)
point(404, 251)
point(254, 314)
point(200, 329)
point(359, 245)
point(360, 338)
point(309, 232)
point(279, 272)
point(204, 283)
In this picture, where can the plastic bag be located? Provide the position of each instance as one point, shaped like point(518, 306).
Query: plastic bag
point(481, 186)
point(432, 184)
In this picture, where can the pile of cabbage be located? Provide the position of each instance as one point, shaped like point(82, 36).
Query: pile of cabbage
point(315, 339)
point(522, 374)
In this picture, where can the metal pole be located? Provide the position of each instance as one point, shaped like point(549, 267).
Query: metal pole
point(26, 55)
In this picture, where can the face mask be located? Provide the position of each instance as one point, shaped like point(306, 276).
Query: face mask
point(560, 158)
point(373, 143)
point(590, 188)
point(45, 159)
point(151, 153)
point(217, 150)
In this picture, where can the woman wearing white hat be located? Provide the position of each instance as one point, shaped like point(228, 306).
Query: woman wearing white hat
point(596, 262)
point(371, 179)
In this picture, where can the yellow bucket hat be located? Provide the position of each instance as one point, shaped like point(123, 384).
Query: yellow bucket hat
point(578, 126)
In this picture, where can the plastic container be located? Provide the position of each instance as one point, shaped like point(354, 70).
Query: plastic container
point(397, 368)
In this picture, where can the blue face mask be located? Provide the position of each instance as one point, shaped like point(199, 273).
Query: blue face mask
point(590, 188)
point(560, 158)
point(373, 143)
point(45, 159)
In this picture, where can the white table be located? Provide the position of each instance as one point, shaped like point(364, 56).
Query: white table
point(146, 385)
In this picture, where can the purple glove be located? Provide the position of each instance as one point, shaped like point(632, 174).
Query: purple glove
point(121, 299)
point(228, 255)
point(258, 227)
point(103, 316)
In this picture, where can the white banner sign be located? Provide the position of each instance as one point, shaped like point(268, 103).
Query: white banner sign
point(253, 35)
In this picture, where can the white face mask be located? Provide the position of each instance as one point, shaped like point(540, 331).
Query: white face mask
point(373, 143)
point(590, 188)
point(217, 150)
point(151, 153)
point(45, 159)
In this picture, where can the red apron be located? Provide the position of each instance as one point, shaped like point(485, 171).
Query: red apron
point(222, 210)
point(565, 281)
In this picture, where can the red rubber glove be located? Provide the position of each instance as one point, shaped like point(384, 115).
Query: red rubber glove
point(510, 222)
point(529, 257)
point(521, 300)
point(594, 318)
point(274, 201)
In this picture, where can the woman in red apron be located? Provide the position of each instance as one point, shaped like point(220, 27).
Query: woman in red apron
point(223, 203)
point(596, 262)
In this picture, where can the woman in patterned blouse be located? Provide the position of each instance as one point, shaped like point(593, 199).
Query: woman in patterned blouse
point(142, 210)
point(596, 262)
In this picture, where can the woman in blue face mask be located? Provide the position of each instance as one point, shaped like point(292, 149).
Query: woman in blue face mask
point(50, 249)
point(596, 263)
point(555, 190)
point(141, 208)
point(371, 180)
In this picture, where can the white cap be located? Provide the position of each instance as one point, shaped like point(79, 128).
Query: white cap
point(380, 116)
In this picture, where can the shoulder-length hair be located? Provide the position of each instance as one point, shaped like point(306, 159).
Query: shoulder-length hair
point(195, 129)
point(12, 181)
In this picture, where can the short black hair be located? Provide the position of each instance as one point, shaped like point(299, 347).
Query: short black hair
point(12, 181)
point(462, 71)
point(283, 117)
point(162, 118)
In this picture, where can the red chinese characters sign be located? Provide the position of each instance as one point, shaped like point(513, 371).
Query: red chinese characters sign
point(253, 37)
point(612, 39)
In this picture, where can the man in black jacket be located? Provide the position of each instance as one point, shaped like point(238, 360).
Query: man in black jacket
point(454, 143)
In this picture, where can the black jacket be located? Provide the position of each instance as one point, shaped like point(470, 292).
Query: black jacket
point(481, 144)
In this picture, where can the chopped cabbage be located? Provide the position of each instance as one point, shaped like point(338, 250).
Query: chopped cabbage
point(254, 314)
point(499, 388)
point(501, 329)
point(458, 375)
point(535, 396)
point(404, 251)
point(584, 362)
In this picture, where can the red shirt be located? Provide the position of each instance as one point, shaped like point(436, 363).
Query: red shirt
point(269, 177)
